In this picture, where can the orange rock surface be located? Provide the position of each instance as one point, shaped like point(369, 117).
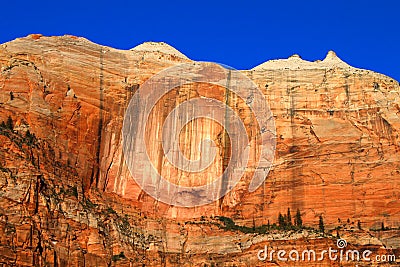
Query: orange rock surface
point(68, 199)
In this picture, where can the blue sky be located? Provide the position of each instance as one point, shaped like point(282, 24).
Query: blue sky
point(241, 34)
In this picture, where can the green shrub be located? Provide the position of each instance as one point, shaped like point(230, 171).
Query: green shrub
point(119, 256)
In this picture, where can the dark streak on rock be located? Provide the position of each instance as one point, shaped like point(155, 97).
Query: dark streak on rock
point(100, 128)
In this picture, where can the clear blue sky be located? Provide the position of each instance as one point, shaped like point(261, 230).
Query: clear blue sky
point(241, 34)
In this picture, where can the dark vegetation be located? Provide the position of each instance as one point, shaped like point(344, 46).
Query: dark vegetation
point(285, 223)
point(7, 129)
point(321, 225)
point(119, 256)
point(25, 140)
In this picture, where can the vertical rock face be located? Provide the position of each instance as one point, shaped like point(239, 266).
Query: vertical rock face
point(68, 198)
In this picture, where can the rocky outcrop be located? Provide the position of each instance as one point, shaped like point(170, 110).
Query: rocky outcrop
point(295, 62)
point(68, 198)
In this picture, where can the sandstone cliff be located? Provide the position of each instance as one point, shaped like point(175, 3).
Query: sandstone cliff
point(67, 198)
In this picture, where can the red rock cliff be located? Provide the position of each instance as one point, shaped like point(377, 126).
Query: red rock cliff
point(68, 198)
